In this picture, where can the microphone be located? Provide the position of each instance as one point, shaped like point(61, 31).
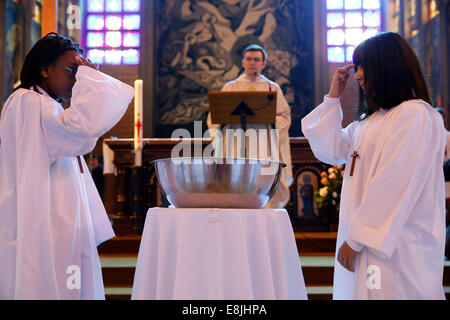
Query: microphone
point(270, 97)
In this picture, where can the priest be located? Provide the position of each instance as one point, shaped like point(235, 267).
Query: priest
point(391, 232)
point(254, 60)
point(51, 215)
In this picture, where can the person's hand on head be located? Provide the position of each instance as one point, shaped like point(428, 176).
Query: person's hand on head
point(339, 81)
point(81, 61)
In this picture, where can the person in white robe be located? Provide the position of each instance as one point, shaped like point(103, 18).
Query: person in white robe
point(391, 233)
point(254, 61)
point(443, 113)
point(51, 215)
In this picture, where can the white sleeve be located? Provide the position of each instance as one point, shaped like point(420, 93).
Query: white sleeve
point(228, 86)
point(323, 129)
point(98, 103)
point(405, 163)
point(283, 116)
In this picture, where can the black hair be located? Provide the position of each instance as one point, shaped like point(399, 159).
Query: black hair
point(255, 47)
point(440, 110)
point(392, 73)
point(44, 53)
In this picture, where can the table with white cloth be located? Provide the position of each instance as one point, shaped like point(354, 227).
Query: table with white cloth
point(218, 254)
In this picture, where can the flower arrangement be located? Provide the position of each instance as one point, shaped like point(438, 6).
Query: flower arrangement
point(330, 194)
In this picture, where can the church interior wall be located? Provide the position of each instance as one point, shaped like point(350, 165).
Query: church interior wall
point(175, 83)
point(182, 58)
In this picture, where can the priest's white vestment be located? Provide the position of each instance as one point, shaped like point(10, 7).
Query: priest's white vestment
point(393, 207)
point(282, 123)
point(51, 215)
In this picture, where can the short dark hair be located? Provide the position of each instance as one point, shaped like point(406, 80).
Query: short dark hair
point(255, 47)
point(44, 53)
point(392, 73)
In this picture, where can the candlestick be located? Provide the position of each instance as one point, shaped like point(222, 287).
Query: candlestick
point(138, 122)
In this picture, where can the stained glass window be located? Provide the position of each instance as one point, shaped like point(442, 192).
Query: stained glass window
point(113, 31)
point(352, 4)
point(349, 22)
point(335, 20)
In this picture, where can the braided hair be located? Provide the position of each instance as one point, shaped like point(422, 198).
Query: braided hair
point(44, 53)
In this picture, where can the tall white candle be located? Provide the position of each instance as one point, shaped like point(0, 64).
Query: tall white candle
point(138, 122)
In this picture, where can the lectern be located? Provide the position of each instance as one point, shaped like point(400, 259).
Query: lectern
point(242, 107)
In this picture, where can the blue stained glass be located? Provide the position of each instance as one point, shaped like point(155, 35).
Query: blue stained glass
point(352, 4)
point(113, 56)
point(131, 5)
point(335, 20)
point(95, 6)
point(95, 39)
point(353, 36)
point(336, 54)
point(372, 19)
point(113, 5)
point(371, 4)
point(353, 19)
point(131, 22)
point(349, 53)
point(113, 38)
point(335, 4)
point(131, 39)
point(96, 56)
point(95, 22)
point(131, 56)
point(335, 37)
point(113, 22)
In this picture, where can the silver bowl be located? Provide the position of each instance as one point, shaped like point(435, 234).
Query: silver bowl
point(218, 182)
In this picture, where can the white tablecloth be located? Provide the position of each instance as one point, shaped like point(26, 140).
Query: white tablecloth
point(218, 254)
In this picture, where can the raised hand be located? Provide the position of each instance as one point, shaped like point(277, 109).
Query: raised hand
point(81, 61)
point(339, 81)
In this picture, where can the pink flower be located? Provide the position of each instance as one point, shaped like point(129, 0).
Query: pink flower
point(323, 174)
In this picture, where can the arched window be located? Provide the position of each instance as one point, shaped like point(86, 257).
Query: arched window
point(113, 31)
point(350, 22)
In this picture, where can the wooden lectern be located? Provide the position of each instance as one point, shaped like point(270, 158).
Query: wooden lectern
point(242, 107)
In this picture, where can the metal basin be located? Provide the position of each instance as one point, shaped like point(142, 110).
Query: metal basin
point(218, 182)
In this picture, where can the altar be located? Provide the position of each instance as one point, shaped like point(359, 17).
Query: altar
point(231, 254)
point(130, 191)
